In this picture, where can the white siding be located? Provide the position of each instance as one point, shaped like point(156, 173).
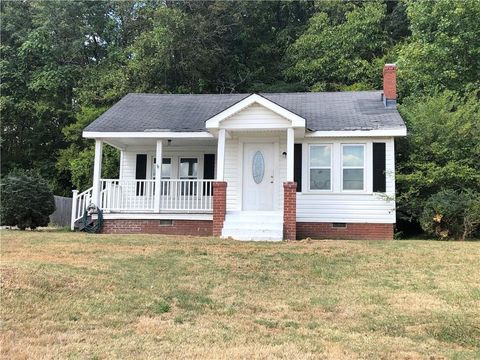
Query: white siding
point(337, 206)
point(127, 166)
point(233, 173)
point(255, 116)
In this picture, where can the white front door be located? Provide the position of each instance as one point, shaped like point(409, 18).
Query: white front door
point(258, 180)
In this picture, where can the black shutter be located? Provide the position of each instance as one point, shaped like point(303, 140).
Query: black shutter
point(297, 166)
point(209, 166)
point(141, 172)
point(208, 171)
point(379, 168)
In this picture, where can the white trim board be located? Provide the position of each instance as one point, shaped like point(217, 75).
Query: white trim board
point(358, 133)
point(148, 134)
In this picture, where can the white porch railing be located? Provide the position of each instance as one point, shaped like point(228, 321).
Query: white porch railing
point(79, 204)
point(127, 195)
point(176, 195)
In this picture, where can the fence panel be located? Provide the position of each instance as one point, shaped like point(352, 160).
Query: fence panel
point(63, 211)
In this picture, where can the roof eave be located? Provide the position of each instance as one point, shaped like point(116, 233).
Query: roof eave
point(397, 132)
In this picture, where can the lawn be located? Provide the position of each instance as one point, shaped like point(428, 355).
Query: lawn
point(73, 295)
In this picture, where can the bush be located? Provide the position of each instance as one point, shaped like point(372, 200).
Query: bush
point(452, 214)
point(26, 200)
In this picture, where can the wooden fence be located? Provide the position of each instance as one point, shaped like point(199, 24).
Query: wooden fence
point(63, 211)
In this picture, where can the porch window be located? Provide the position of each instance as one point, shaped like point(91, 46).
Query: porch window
point(166, 172)
point(320, 163)
point(353, 166)
point(166, 168)
point(188, 171)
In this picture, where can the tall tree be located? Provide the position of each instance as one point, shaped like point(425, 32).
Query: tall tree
point(444, 49)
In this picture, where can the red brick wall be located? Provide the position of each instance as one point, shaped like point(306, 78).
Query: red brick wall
point(390, 81)
point(351, 232)
point(219, 206)
point(290, 210)
point(178, 227)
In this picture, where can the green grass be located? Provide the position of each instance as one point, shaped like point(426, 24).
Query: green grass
point(74, 295)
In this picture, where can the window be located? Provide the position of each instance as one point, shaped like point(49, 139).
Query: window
point(353, 163)
point(166, 168)
point(166, 174)
point(188, 170)
point(320, 167)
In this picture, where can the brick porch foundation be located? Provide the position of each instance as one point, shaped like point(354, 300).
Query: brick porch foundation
point(177, 227)
point(290, 210)
point(219, 206)
point(350, 232)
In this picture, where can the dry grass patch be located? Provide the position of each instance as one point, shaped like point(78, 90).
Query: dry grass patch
point(73, 295)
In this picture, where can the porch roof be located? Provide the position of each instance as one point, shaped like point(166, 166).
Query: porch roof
point(325, 111)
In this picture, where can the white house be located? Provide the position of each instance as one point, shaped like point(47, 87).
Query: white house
point(250, 166)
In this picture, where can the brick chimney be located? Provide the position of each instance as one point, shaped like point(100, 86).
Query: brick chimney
point(390, 85)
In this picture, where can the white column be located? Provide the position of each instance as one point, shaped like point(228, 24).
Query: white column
point(158, 175)
point(74, 209)
point(290, 150)
point(97, 172)
point(221, 154)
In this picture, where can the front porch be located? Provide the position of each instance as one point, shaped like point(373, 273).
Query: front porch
point(178, 186)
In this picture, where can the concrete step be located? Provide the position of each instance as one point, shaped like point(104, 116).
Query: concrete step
point(254, 216)
point(253, 235)
point(253, 225)
point(259, 225)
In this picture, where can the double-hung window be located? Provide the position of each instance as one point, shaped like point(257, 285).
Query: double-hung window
point(188, 171)
point(320, 167)
point(353, 167)
point(166, 168)
point(166, 172)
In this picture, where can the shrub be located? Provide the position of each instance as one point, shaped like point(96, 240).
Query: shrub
point(452, 214)
point(26, 200)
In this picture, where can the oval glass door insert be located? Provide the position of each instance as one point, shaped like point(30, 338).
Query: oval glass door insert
point(258, 167)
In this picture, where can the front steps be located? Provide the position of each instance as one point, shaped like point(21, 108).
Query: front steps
point(253, 225)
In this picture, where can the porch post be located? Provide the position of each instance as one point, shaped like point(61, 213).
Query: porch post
point(220, 154)
point(97, 172)
point(290, 151)
point(158, 175)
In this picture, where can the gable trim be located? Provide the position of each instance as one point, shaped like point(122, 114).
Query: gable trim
point(214, 121)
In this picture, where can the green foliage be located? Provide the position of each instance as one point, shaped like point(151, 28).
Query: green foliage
point(451, 214)
point(441, 150)
point(27, 201)
point(331, 54)
point(443, 51)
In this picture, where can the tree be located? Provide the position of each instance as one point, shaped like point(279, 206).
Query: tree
point(27, 201)
point(333, 56)
point(444, 49)
point(441, 150)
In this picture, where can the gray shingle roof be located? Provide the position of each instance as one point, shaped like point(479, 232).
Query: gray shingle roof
point(356, 110)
